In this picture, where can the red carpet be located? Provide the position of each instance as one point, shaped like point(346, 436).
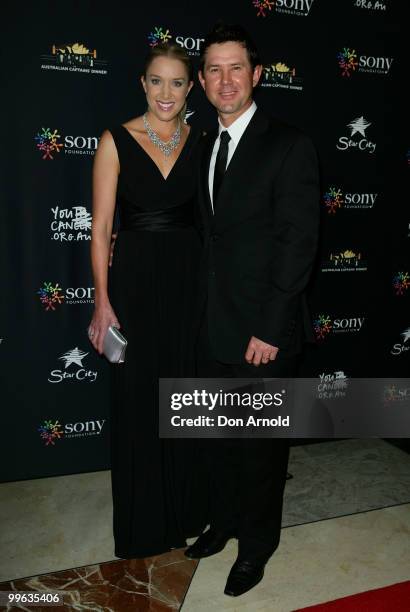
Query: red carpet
point(394, 598)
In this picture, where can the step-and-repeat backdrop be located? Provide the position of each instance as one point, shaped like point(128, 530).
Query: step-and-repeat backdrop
point(69, 70)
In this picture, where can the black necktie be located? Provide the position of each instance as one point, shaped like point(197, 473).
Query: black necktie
point(220, 164)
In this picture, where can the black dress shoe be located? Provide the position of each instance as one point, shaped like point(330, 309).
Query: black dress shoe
point(208, 543)
point(243, 576)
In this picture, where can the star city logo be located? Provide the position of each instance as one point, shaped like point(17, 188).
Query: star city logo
point(50, 295)
point(47, 143)
point(334, 199)
point(300, 8)
point(50, 432)
point(401, 282)
point(280, 75)
point(402, 347)
point(75, 358)
point(74, 58)
point(357, 126)
point(349, 61)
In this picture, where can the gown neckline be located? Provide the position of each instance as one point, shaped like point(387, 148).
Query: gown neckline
point(149, 156)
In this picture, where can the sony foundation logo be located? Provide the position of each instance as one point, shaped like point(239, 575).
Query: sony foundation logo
point(51, 431)
point(324, 325)
point(50, 143)
point(299, 8)
point(336, 198)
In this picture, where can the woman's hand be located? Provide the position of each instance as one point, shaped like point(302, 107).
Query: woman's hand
point(103, 317)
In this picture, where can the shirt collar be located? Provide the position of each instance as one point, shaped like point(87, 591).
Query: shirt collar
point(237, 128)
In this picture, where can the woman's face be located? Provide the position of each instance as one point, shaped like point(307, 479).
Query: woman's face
point(166, 85)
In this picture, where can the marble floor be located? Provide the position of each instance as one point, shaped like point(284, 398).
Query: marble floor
point(346, 528)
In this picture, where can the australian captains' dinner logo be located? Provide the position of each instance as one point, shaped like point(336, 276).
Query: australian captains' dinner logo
point(350, 61)
point(282, 76)
point(401, 282)
point(300, 8)
point(49, 145)
point(344, 261)
point(74, 57)
point(191, 44)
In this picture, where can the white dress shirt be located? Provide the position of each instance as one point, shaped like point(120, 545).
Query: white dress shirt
point(235, 131)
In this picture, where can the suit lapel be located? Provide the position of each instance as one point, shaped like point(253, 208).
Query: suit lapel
point(239, 167)
point(206, 158)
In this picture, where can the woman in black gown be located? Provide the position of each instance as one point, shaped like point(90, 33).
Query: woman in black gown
point(147, 168)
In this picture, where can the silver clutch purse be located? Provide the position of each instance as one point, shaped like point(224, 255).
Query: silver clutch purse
point(114, 345)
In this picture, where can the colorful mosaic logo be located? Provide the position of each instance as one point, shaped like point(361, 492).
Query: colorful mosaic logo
point(47, 143)
point(322, 326)
point(50, 432)
point(299, 8)
point(158, 35)
point(401, 282)
point(347, 61)
point(263, 6)
point(333, 200)
point(50, 295)
point(393, 394)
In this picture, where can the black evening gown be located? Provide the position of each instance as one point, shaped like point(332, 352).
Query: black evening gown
point(159, 497)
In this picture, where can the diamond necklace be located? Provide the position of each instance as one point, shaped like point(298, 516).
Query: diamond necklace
point(165, 147)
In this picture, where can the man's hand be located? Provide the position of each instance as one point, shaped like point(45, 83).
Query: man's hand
point(259, 352)
point(113, 239)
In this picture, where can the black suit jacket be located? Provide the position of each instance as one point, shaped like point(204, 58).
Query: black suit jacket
point(261, 243)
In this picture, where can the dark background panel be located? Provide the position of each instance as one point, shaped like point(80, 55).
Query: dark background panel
point(38, 345)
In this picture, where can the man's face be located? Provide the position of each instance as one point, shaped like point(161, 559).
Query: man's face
point(228, 79)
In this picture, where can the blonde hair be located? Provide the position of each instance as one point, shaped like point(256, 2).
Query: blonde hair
point(173, 51)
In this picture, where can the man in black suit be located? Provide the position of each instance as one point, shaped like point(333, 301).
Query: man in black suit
point(259, 200)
